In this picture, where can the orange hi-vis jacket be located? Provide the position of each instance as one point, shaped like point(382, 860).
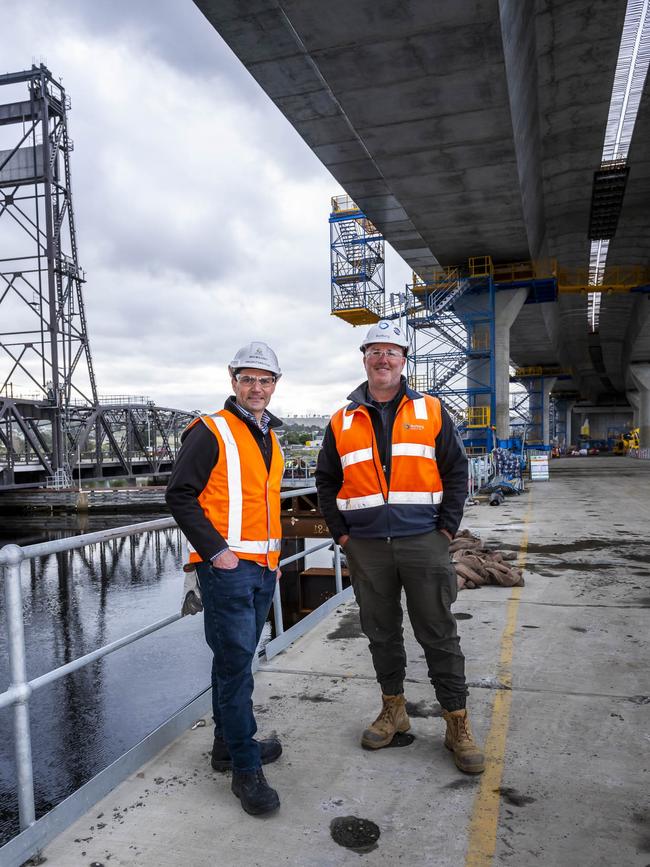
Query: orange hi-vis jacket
point(242, 498)
point(410, 503)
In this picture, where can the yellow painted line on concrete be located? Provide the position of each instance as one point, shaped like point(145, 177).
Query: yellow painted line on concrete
point(482, 835)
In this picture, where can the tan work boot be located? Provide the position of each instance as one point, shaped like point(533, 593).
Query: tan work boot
point(392, 719)
point(459, 740)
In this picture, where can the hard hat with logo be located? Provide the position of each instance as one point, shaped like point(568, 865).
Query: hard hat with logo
point(258, 355)
point(385, 332)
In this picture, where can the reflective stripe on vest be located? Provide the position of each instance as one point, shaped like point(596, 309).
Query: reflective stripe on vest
point(236, 497)
point(414, 450)
point(356, 457)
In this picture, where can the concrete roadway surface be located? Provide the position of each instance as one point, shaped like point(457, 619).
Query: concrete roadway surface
point(568, 745)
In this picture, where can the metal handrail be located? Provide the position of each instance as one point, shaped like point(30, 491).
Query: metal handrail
point(20, 689)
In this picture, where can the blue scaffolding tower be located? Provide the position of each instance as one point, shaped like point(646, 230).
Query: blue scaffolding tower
point(357, 264)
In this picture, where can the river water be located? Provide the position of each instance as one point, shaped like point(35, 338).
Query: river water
point(73, 603)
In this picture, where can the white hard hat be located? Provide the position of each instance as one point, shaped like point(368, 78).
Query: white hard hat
point(385, 331)
point(256, 354)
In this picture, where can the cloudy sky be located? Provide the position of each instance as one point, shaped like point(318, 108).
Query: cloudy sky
point(201, 214)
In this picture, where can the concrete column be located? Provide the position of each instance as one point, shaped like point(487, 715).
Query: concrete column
point(547, 386)
point(569, 418)
point(641, 376)
point(508, 303)
point(633, 400)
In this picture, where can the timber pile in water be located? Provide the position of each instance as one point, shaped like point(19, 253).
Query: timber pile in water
point(476, 565)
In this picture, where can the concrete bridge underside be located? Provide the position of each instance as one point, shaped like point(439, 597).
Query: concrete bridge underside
point(467, 129)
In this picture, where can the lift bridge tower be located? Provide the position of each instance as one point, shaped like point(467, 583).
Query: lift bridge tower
point(51, 417)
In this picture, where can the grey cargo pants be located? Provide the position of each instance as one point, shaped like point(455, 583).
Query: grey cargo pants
point(379, 568)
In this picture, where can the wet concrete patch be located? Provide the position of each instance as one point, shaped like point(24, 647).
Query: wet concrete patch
point(575, 547)
point(642, 818)
point(422, 709)
point(463, 615)
point(641, 557)
point(347, 627)
point(578, 628)
point(401, 739)
point(317, 698)
point(577, 566)
point(464, 783)
point(639, 699)
point(359, 835)
point(514, 797)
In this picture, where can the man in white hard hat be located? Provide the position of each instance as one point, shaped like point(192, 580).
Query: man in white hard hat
point(392, 482)
point(224, 492)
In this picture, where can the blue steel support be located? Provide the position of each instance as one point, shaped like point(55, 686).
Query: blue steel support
point(491, 443)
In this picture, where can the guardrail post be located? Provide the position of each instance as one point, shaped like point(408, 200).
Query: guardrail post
point(277, 610)
point(337, 568)
point(12, 556)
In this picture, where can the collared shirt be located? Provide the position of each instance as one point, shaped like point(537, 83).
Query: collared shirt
point(262, 424)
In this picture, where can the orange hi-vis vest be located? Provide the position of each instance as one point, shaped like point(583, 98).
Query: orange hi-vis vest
point(242, 498)
point(415, 491)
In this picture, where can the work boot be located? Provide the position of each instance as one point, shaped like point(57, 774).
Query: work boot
point(392, 719)
point(459, 740)
point(255, 794)
point(270, 750)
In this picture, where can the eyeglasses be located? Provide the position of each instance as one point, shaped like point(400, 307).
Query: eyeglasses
point(379, 353)
point(264, 381)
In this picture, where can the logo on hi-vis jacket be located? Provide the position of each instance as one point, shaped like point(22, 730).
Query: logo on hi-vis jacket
point(408, 426)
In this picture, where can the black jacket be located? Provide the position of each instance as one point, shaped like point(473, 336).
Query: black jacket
point(196, 459)
point(450, 457)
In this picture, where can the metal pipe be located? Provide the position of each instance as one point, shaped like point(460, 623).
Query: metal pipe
point(69, 667)
point(16, 635)
point(74, 542)
point(302, 554)
point(337, 568)
point(277, 610)
point(297, 492)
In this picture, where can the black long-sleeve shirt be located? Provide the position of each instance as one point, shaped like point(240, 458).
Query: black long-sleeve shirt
point(450, 457)
point(196, 459)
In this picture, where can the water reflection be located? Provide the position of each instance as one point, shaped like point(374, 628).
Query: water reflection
point(74, 602)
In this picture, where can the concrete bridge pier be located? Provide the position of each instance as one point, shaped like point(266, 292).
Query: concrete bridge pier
point(547, 386)
point(641, 376)
point(564, 410)
point(507, 305)
point(633, 400)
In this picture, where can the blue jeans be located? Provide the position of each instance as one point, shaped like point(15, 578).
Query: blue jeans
point(235, 606)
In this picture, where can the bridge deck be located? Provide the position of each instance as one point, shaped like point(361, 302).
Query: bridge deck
point(568, 750)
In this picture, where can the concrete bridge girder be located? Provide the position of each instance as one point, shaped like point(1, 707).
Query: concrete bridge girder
point(461, 129)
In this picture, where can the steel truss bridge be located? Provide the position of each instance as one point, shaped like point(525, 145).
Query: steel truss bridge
point(54, 426)
point(102, 441)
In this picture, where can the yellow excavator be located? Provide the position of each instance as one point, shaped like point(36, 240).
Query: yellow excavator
point(626, 441)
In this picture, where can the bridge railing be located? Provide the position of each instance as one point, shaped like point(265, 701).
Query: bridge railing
point(34, 834)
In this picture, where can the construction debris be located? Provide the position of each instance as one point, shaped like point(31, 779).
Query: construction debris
point(477, 565)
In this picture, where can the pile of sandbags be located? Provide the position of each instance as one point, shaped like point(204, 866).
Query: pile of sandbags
point(477, 565)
